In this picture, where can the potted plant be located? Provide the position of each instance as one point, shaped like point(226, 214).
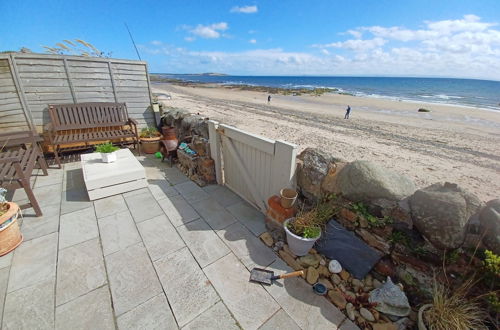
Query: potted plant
point(10, 235)
point(107, 151)
point(150, 138)
point(302, 232)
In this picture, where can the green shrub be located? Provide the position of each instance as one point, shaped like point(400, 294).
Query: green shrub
point(149, 132)
point(106, 148)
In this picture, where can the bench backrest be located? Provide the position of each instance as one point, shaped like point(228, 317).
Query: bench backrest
point(87, 115)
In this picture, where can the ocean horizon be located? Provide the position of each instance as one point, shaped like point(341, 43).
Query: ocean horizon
point(483, 94)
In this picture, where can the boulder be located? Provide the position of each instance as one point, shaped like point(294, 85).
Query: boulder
point(489, 221)
point(440, 212)
point(366, 181)
point(390, 299)
point(313, 166)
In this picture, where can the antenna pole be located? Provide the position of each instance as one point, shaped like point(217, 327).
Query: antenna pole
point(131, 38)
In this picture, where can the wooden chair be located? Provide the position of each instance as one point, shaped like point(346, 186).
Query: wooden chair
point(20, 153)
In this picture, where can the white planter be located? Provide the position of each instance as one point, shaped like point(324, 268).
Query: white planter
point(300, 246)
point(108, 157)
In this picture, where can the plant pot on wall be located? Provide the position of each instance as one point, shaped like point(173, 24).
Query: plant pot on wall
point(10, 235)
point(300, 246)
point(288, 197)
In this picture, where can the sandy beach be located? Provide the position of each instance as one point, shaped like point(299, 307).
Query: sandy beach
point(450, 143)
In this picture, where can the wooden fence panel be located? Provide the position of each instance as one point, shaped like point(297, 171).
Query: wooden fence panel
point(12, 115)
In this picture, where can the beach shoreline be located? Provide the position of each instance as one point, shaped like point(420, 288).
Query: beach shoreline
point(450, 143)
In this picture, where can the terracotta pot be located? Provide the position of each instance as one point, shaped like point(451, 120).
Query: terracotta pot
point(10, 235)
point(288, 197)
point(150, 145)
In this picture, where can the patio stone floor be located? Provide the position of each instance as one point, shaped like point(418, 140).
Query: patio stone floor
point(170, 256)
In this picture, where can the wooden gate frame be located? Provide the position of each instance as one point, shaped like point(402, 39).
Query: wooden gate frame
point(283, 165)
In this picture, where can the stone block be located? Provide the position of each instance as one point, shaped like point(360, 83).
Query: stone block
point(118, 231)
point(159, 237)
point(77, 227)
point(216, 317)
point(178, 210)
point(153, 314)
point(143, 206)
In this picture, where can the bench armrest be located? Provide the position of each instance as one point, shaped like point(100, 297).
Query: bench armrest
point(133, 121)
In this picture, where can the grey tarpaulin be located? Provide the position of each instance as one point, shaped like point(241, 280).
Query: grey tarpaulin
point(343, 245)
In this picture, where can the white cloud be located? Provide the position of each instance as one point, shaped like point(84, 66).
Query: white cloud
point(212, 31)
point(358, 45)
point(156, 43)
point(244, 10)
point(252, 41)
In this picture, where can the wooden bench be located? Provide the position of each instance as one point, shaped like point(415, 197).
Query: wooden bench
point(81, 124)
point(20, 153)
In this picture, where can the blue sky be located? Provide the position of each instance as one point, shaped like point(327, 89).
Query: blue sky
point(453, 38)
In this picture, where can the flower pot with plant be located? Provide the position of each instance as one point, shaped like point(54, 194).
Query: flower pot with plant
point(10, 235)
point(107, 151)
point(150, 138)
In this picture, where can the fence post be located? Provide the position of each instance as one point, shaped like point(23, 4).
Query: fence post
point(215, 152)
point(20, 92)
point(284, 164)
point(111, 73)
point(70, 82)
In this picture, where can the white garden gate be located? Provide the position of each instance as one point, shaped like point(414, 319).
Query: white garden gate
point(254, 167)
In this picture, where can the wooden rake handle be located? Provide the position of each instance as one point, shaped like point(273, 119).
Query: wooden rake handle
point(288, 275)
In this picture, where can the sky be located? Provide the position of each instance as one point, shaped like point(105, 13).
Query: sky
point(423, 38)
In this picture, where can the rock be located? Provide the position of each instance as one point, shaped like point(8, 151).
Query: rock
point(384, 326)
point(366, 181)
point(323, 271)
point(313, 251)
point(350, 294)
point(322, 262)
point(290, 260)
point(441, 211)
point(349, 309)
point(374, 241)
point(267, 239)
point(334, 267)
point(356, 283)
point(376, 314)
point(336, 279)
point(489, 220)
point(337, 298)
point(385, 267)
point(326, 283)
point(286, 248)
point(312, 275)
point(309, 260)
point(368, 280)
point(363, 223)
point(279, 244)
point(390, 299)
point(329, 184)
point(312, 168)
point(344, 275)
point(348, 215)
point(366, 314)
point(342, 288)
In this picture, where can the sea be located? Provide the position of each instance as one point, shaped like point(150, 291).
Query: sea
point(484, 94)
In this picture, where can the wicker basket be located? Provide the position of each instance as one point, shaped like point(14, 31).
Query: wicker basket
point(10, 235)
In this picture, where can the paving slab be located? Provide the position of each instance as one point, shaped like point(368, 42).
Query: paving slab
point(4, 280)
point(178, 210)
point(161, 189)
point(249, 216)
point(153, 173)
point(213, 213)
point(75, 199)
point(202, 241)
point(186, 286)
point(191, 191)
point(215, 318)
point(80, 269)
point(54, 177)
point(248, 302)
point(348, 325)
point(34, 261)
point(223, 195)
point(46, 195)
point(118, 231)
point(136, 192)
point(6, 260)
point(143, 206)
point(77, 227)
point(110, 205)
point(297, 299)
point(280, 321)
point(153, 314)
point(132, 278)
point(159, 237)
point(31, 307)
point(91, 311)
point(247, 247)
point(34, 227)
point(174, 176)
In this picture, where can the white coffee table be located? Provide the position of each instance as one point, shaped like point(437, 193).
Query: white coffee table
point(108, 179)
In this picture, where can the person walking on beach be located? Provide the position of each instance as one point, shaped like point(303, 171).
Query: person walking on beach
point(347, 112)
point(269, 99)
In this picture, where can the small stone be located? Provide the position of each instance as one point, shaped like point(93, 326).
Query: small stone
point(322, 262)
point(350, 294)
point(337, 298)
point(286, 248)
point(326, 283)
point(376, 314)
point(369, 280)
point(356, 283)
point(348, 215)
point(376, 283)
point(385, 267)
point(267, 239)
point(363, 223)
point(349, 309)
point(313, 251)
point(367, 315)
point(279, 245)
point(336, 279)
point(309, 260)
point(290, 260)
point(344, 275)
point(323, 271)
point(342, 287)
point(401, 286)
point(384, 326)
point(334, 266)
point(312, 275)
